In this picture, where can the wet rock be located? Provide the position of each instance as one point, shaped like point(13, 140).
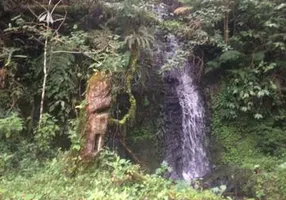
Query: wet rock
point(239, 182)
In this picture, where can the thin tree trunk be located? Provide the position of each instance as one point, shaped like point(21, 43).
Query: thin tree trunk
point(226, 27)
point(44, 70)
point(44, 81)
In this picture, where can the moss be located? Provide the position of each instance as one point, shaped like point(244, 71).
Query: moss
point(172, 25)
point(131, 112)
point(234, 144)
point(132, 67)
point(143, 140)
point(97, 77)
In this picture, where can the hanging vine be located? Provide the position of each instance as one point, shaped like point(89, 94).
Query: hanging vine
point(135, 41)
point(129, 77)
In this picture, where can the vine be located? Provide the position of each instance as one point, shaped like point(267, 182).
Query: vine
point(132, 66)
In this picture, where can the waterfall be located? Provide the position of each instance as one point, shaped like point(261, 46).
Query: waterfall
point(184, 111)
point(195, 160)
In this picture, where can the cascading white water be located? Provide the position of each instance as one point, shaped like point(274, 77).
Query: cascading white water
point(195, 159)
point(186, 144)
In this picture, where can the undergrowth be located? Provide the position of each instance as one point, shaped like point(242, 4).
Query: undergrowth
point(109, 177)
point(252, 144)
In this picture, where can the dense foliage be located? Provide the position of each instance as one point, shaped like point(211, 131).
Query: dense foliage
point(110, 177)
point(48, 54)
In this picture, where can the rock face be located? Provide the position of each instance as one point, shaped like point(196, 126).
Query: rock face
point(172, 127)
point(98, 97)
point(238, 182)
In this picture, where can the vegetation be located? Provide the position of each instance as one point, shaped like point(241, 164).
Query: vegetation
point(109, 177)
point(50, 49)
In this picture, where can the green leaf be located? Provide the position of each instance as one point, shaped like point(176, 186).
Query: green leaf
point(259, 56)
point(258, 116)
point(230, 56)
point(279, 7)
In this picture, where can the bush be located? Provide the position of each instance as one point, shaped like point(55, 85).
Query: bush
point(11, 124)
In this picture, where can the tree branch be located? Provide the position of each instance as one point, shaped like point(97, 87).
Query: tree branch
point(134, 157)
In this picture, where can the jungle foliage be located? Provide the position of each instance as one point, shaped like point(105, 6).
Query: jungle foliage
point(109, 177)
point(48, 54)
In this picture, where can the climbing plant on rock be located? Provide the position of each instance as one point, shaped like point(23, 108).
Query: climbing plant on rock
point(135, 41)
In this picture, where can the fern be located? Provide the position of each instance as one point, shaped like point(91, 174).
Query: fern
point(61, 82)
point(141, 39)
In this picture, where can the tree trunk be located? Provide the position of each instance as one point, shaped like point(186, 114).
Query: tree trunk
point(226, 27)
point(98, 97)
